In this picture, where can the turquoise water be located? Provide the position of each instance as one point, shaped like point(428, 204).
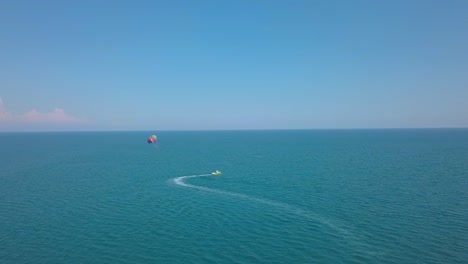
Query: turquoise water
point(319, 196)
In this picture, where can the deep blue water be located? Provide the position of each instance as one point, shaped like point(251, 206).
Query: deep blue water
point(318, 196)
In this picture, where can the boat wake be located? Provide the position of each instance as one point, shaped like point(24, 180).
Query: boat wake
point(180, 180)
point(342, 229)
point(293, 209)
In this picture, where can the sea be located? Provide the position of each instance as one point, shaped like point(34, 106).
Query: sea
point(284, 196)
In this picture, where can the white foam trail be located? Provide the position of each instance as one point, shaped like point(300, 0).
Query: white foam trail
point(343, 229)
point(284, 206)
point(180, 180)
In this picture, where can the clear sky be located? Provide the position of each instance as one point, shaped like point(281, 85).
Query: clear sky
point(244, 64)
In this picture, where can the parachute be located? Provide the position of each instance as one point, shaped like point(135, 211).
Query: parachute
point(152, 139)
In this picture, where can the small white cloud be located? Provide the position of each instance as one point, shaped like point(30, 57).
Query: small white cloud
point(56, 116)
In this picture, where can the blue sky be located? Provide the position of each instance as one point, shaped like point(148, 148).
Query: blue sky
point(158, 65)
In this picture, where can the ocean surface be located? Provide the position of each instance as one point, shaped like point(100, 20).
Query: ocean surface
point(305, 196)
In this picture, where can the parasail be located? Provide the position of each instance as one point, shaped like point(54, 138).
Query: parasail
point(152, 139)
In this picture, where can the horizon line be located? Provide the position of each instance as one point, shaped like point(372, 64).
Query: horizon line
point(227, 130)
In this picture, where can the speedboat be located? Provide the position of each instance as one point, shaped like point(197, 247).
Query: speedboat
point(216, 173)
